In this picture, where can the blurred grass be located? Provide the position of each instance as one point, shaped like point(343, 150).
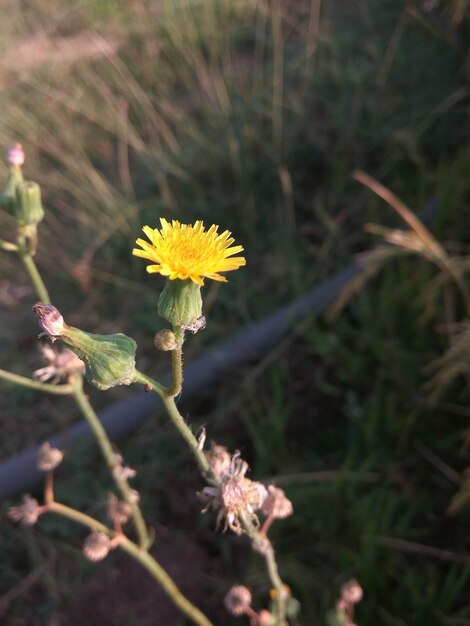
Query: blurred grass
point(253, 115)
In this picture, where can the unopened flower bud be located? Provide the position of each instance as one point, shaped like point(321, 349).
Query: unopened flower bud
point(109, 359)
point(15, 155)
point(238, 600)
point(165, 340)
point(27, 513)
point(96, 546)
point(49, 458)
point(50, 320)
point(28, 207)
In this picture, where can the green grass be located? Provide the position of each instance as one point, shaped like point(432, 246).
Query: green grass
point(231, 113)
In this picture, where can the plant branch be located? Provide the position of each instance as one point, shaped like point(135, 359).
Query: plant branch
point(59, 390)
point(142, 556)
point(110, 458)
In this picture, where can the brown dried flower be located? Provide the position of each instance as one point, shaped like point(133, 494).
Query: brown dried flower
point(49, 458)
point(219, 459)
point(277, 505)
point(238, 600)
point(235, 496)
point(27, 513)
point(60, 364)
point(96, 546)
point(50, 319)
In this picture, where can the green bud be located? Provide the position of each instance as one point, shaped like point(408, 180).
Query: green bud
point(8, 197)
point(28, 209)
point(109, 359)
point(180, 302)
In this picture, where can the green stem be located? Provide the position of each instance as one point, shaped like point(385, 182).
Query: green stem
point(273, 572)
point(8, 246)
point(142, 556)
point(59, 390)
point(35, 277)
point(178, 421)
point(110, 458)
point(176, 364)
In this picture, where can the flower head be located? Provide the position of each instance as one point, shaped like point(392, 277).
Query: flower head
point(185, 251)
point(27, 513)
point(238, 600)
point(96, 546)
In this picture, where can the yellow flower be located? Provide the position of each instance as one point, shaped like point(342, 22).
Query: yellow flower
point(182, 251)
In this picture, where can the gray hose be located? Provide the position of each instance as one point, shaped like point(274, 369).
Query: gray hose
point(20, 472)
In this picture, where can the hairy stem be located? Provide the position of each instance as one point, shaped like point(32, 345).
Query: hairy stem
point(178, 421)
point(176, 364)
point(142, 556)
point(110, 458)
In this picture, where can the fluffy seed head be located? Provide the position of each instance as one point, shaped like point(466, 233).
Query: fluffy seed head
point(96, 546)
point(277, 505)
point(49, 458)
point(238, 600)
point(27, 513)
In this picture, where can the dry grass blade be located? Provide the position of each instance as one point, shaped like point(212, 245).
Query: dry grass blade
point(404, 212)
point(454, 362)
point(372, 262)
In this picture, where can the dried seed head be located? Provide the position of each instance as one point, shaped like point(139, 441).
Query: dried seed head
point(15, 155)
point(50, 320)
point(165, 340)
point(49, 458)
point(277, 505)
point(196, 325)
point(234, 496)
point(61, 364)
point(27, 513)
point(96, 546)
point(118, 511)
point(219, 459)
point(352, 592)
point(238, 600)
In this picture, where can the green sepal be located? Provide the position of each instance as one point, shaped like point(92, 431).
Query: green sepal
point(28, 207)
point(180, 302)
point(109, 359)
point(8, 197)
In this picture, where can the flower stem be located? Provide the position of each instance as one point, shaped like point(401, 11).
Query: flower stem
point(176, 364)
point(110, 458)
point(273, 572)
point(178, 421)
point(35, 276)
point(59, 390)
point(142, 556)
